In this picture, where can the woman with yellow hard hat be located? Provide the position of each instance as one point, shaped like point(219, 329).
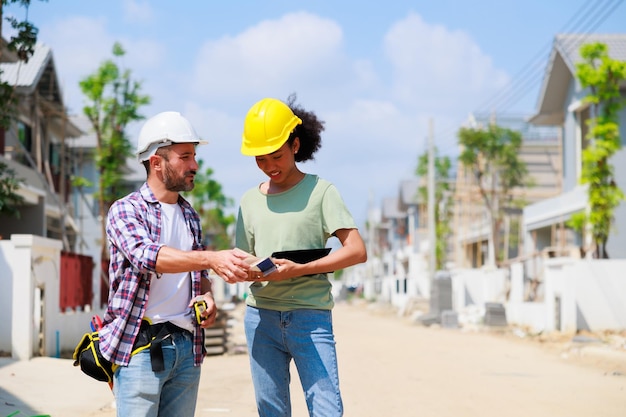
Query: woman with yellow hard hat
point(288, 314)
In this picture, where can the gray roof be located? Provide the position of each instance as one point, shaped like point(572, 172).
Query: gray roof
point(88, 139)
point(6, 55)
point(561, 71)
point(133, 170)
point(391, 209)
point(27, 74)
point(409, 193)
point(568, 46)
point(38, 74)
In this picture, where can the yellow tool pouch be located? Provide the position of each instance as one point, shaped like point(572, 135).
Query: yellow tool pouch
point(87, 355)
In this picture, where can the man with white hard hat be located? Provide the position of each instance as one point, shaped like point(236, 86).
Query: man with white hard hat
point(158, 273)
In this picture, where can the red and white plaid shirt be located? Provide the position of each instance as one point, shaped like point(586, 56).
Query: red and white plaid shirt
point(133, 230)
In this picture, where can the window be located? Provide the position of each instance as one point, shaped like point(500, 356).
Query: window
point(25, 136)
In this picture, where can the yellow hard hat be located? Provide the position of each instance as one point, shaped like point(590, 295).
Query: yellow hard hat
point(267, 127)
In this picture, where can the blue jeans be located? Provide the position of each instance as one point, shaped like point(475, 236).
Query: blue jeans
point(306, 336)
point(170, 393)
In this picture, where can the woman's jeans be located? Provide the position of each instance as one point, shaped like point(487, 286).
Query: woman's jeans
point(274, 338)
point(139, 391)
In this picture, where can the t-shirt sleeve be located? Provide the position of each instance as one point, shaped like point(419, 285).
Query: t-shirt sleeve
point(243, 239)
point(335, 214)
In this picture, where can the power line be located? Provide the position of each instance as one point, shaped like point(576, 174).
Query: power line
point(525, 73)
point(585, 20)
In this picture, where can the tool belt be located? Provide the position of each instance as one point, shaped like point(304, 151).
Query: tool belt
point(87, 353)
point(151, 337)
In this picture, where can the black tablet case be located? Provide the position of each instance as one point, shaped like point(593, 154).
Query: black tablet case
point(302, 256)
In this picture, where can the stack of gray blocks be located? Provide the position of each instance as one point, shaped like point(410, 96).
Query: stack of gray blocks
point(441, 302)
point(495, 314)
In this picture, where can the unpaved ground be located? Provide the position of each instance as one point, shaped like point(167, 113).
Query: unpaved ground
point(389, 367)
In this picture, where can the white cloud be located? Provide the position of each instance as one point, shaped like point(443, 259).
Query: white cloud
point(375, 128)
point(223, 131)
point(80, 44)
point(437, 68)
point(137, 11)
point(366, 76)
point(376, 120)
point(297, 50)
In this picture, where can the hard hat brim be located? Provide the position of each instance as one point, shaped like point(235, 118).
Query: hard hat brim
point(147, 153)
point(258, 151)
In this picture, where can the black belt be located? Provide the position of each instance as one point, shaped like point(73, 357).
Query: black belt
point(152, 335)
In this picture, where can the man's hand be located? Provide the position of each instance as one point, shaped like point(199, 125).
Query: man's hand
point(208, 314)
point(230, 265)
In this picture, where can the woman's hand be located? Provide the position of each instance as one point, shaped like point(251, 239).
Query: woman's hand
point(285, 269)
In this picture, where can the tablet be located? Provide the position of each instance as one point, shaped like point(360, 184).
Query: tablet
point(302, 256)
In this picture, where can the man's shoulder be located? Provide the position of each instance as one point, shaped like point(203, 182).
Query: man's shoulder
point(131, 198)
point(129, 201)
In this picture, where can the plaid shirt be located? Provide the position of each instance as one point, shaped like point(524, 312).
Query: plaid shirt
point(133, 229)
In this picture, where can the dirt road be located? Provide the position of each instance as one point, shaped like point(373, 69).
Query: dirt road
point(389, 367)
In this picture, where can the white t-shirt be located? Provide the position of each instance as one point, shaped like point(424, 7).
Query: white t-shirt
point(170, 294)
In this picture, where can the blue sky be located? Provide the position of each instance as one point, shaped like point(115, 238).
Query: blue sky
point(376, 72)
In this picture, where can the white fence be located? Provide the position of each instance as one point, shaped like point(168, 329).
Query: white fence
point(579, 294)
point(576, 294)
point(33, 324)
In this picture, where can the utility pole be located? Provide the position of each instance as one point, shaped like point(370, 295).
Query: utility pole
point(432, 236)
point(434, 315)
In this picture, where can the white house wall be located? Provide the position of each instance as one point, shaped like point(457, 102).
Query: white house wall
point(529, 314)
point(6, 295)
point(419, 276)
point(600, 290)
point(404, 276)
point(616, 245)
point(591, 296)
point(28, 265)
point(475, 287)
point(571, 143)
point(36, 263)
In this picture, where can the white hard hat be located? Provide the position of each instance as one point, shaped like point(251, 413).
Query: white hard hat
point(165, 129)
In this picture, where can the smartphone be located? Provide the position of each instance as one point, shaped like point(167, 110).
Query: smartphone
point(266, 266)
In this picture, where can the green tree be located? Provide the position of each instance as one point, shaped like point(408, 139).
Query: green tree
point(443, 202)
point(114, 100)
point(492, 155)
point(9, 186)
point(603, 77)
point(23, 44)
point(210, 202)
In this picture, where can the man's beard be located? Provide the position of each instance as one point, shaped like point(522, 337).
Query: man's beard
point(176, 183)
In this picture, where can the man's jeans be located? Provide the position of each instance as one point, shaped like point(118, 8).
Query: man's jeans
point(170, 393)
point(274, 338)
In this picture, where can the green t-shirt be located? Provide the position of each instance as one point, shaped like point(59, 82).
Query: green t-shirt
point(303, 217)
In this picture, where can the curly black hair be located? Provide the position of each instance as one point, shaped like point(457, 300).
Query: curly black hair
point(309, 132)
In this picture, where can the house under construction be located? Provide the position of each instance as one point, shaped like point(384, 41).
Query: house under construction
point(541, 152)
